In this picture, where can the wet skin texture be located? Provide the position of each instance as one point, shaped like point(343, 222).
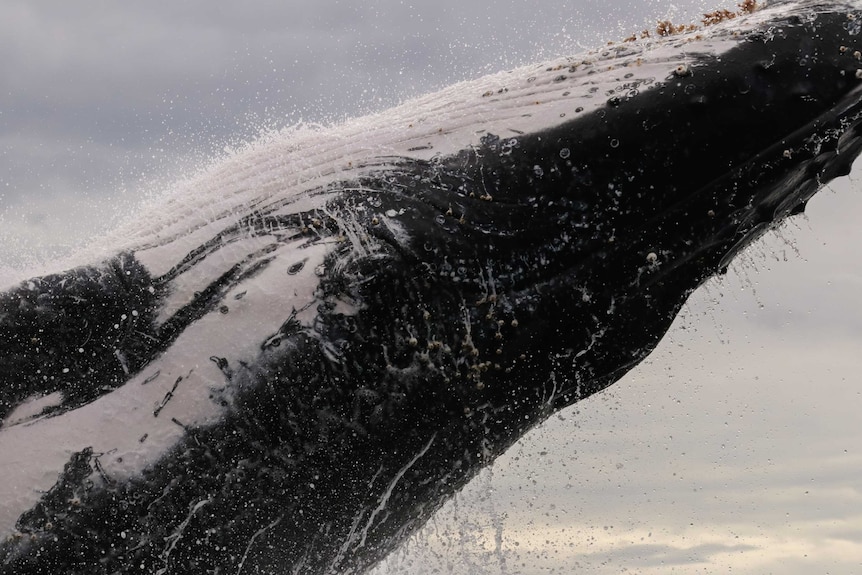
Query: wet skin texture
point(535, 274)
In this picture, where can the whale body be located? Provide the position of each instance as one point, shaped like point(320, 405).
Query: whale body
point(291, 362)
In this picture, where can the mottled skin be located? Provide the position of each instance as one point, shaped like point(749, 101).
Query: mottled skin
point(530, 274)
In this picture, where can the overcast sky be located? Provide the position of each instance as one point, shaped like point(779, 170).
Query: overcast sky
point(736, 446)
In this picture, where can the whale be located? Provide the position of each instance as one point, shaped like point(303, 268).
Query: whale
point(292, 360)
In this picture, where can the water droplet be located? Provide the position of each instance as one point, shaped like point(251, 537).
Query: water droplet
point(565, 153)
point(538, 171)
point(615, 143)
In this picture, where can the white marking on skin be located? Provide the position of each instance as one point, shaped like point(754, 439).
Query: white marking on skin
point(115, 422)
point(198, 277)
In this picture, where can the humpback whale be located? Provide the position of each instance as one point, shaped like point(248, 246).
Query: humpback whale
point(291, 362)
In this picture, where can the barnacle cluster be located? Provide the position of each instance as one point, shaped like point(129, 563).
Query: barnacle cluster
point(666, 28)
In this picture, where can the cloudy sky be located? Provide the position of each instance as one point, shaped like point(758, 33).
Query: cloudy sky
point(735, 447)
